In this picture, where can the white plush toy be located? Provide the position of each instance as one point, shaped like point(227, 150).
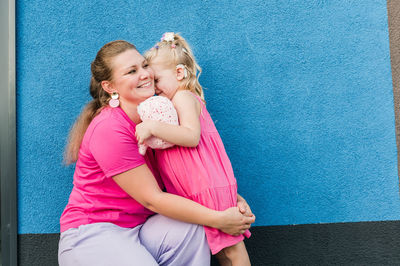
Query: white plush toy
point(161, 109)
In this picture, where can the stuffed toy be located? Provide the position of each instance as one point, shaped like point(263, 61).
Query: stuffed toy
point(161, 109)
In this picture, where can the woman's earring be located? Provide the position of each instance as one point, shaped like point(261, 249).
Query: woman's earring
point(114, 102)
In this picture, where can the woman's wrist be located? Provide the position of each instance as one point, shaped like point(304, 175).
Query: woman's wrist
point(217, 219)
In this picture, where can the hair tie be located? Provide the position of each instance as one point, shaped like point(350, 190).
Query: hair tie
point(168, 37)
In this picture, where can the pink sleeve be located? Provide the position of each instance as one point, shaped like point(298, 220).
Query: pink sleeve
point(115, 148)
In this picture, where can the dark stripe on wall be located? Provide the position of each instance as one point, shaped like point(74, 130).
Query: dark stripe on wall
point(38, 249)
point(393, 7)
point(365, 243)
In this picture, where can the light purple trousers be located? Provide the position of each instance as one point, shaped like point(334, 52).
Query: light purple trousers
point(159, 241)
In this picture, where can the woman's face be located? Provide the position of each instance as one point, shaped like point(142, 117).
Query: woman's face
point(133, 79)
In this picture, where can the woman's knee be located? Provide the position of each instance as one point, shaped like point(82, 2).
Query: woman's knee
point(171, 240)
point(172, 231)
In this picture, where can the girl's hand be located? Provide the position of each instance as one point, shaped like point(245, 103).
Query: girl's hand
point(233, 222)
point(244, 208)
point(143, 130)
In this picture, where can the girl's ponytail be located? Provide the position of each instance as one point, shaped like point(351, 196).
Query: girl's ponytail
point(192, 82)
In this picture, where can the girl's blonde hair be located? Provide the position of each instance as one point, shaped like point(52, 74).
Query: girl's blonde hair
point(101, 69)
point(177, 50)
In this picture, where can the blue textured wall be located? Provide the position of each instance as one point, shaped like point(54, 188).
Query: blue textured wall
point(301, 92)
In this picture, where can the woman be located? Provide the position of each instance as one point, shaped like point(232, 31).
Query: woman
point(108, 219)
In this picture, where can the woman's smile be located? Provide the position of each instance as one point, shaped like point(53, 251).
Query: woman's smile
point(146, 85)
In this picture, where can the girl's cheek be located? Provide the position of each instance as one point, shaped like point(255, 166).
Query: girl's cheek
point(158, 91)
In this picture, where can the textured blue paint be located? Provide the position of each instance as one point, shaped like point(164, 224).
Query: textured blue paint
point(301, 92)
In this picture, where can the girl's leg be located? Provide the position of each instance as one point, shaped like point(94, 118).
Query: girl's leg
point(172, 242)
point(103, 244)
point(223, 259)
point(235, 255)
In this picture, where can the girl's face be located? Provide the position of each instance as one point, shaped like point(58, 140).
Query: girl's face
point(165, 78)
point(133, 79)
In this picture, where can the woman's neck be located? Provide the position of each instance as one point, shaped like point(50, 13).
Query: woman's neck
point(130, 110)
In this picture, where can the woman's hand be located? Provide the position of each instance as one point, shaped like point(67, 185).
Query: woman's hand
point(244, 208)
point(143, 130)
point(233, 222)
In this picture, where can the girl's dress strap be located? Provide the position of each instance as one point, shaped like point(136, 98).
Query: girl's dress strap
point(198, 98)
point(201, 102)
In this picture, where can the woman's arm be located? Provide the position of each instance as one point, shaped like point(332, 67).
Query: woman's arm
point(187, 134)
point(141, 185)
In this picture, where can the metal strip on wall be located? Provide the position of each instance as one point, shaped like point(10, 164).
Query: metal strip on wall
point(8, 158)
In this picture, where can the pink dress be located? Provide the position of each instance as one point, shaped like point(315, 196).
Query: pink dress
point(203, 174)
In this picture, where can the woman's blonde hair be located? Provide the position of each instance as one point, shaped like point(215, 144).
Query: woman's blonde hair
point(178, 51)
point(101, 69)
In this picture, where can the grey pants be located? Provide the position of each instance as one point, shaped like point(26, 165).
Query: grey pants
point(159, 241)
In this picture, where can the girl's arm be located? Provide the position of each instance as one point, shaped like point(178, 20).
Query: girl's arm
point(187, 134)
point(141, 185)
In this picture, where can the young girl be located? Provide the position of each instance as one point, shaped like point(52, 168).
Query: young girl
point(198, 167)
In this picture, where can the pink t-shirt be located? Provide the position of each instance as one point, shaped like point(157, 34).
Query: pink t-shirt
point(108, 148)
